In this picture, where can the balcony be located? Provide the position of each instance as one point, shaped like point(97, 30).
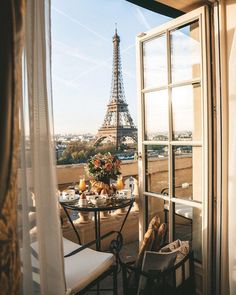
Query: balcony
point(69, 174)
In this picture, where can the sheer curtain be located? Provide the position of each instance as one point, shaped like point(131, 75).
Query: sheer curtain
point(39, 222)
point(232, 164)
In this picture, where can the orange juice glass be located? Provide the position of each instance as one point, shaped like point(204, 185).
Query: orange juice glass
point(82, 184)
point(119, 183)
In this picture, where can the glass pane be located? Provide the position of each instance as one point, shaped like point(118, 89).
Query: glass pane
point(157, 206)
point(155, 62)
point(187, 112)
point(185, 52)
point(187, 172)
point(156, 168)
point(188, 227)
point(156, 115)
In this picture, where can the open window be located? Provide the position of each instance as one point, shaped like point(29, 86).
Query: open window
point(175, 131)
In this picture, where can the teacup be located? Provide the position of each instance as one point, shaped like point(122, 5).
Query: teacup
point(97, 200)
point(124, 193)
point(68, 194)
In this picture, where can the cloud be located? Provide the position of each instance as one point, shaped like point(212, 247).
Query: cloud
point(142, 19)
point(67, 83)
point(63, 48)
point(80, 24)
point(107, 64)
point(101, 64)
point(73, 52)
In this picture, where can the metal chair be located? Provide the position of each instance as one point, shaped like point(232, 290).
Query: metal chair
point(175, 280)
point(85, 267)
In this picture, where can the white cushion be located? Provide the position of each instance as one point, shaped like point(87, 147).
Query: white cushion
point(81, 268)
point(85, 266)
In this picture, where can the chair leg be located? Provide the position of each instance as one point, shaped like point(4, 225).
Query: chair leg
point(124, 280)
point(115, 280)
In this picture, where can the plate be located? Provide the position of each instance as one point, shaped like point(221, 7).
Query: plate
point(61, 200)
point(98, 201)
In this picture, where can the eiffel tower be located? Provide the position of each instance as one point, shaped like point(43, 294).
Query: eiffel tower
point(118, 124)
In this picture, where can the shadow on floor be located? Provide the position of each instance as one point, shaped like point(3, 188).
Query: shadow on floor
point(129, 253)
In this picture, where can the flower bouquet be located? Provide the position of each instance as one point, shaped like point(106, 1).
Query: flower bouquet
point(101, 168)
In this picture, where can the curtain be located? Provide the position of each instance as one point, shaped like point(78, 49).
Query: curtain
point(11, 24)
point(39, 222)
point(232, 160)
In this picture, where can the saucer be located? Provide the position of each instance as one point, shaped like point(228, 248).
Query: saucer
point(97, 200)
point(63, 200)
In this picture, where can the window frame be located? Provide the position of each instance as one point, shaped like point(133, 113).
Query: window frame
point(201, 14)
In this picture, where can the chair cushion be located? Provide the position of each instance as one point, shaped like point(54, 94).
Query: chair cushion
point(81, 268)
point(182, 249)
point(85, 266)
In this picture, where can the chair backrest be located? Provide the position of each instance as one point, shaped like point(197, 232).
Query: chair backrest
point(173, 279)
point(163, 272)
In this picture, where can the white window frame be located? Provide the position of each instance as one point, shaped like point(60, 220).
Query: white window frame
point(206, 143)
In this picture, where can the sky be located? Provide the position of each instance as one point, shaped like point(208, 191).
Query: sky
point(82, 59)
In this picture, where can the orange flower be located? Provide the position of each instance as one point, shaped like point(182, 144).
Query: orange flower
point(97, 163)
point(108, 166)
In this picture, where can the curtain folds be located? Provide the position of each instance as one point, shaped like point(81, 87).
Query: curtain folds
point(232, 168)
point(11, 26)
point(43, 272)
point(11, 18)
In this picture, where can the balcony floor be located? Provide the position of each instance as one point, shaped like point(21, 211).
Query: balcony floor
point(129, 253)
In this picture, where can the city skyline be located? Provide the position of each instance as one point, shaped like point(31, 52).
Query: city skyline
point(82, 56)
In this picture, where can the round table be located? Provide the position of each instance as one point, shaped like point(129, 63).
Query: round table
point(110, 204)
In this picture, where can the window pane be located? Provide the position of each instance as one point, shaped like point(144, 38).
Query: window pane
point(157, 206)
point(156, 168)
point(186, 109)
point(155, 62)
point(187, 172)
point(156, 115)
point(188, 227)
point(185, 52)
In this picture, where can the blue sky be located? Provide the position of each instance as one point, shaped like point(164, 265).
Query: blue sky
point(82, 58)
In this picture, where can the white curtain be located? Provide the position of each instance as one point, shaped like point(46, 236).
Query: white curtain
point(232, 167)
point(43, 270)
point(231, 42)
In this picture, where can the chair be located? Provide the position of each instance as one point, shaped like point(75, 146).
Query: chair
point(84, 267)
point(174, 280)
point(159, 269)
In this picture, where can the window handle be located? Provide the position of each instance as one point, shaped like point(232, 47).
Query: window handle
point(139, 156)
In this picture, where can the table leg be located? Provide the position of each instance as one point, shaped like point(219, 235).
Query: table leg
point(123, 223)
point(72, 223)
point(97, 237)
point(97, 230)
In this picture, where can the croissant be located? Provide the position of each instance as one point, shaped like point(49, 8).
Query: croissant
point(98, 186)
